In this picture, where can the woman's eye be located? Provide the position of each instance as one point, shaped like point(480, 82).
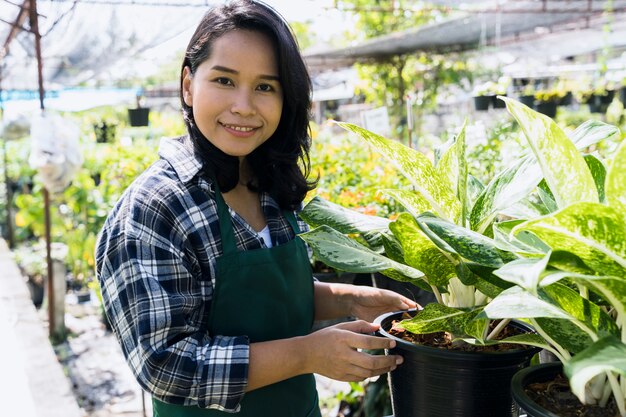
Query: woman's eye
point(223, 81)
point(265, 87)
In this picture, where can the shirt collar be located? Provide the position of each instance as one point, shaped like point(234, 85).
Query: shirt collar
point(179, 153)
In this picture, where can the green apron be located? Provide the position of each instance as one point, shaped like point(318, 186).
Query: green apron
point(266, 294)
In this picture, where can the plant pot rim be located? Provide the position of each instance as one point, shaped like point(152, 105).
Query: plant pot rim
point(520, 379)
point(386, 318)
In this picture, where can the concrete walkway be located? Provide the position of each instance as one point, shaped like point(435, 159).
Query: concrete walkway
point(33, 383)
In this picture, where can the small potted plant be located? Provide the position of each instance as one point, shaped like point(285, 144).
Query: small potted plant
point(482, 96)
point(527, 95)
point(547, 101)
point(575, 293)
point(140, 115)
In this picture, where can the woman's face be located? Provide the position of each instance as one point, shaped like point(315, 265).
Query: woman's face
point(236, 94)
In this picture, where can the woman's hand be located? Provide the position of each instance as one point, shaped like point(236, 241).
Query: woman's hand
point(335, 352)
point(360, 301)
point(369, 303)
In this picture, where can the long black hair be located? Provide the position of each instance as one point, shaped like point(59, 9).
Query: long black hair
point(281, 165)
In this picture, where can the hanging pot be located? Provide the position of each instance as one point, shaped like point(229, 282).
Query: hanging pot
point(139, 116)
point(436, 382)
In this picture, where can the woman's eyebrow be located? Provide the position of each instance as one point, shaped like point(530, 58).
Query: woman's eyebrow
point(232, 71)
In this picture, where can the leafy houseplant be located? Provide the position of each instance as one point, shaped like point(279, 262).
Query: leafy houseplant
point(447, 241)
point(574, 292)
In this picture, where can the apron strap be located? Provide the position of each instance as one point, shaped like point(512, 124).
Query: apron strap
point(227, 234)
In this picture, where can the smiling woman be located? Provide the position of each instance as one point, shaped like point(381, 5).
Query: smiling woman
point(204, 278)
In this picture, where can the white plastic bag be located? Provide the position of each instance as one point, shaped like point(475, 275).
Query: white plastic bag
point(55, 152)
point(16, 128)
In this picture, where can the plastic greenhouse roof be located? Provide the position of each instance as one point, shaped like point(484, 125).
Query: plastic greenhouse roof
point(87, 41)
point(545, 28)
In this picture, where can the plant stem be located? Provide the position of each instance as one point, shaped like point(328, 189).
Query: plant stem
point(503, 323)
point(437, 294)
point(617, 393)
point(561, 354)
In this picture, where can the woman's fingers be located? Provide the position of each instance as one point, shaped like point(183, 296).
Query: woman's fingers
point(348, 343)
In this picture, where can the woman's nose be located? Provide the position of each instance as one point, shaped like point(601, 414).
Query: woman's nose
point(243, 104)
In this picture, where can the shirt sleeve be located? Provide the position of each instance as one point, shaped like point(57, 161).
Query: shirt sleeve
point(157, 303)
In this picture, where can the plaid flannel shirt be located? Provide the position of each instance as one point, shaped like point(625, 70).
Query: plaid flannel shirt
point(155, 261)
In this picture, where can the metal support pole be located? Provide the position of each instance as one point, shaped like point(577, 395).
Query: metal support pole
point(34, 27)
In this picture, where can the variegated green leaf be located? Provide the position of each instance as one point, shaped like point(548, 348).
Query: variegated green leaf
point(320, 212)
point(420, 252)
point(547, 198)
point(482, 278)
point(524, 272)
point(566, 334)
point(526, 339)
point(562, 164)
point(460, 240)
point(594, 232)
point(413, 202)
point(569, 319)
point(474, 189)
point(592, 132)
point(616, 180)
point(339, 251)
point(612, 289)
point(588, 316)
point(417, 168)
point(461, 186)
point(439, 318)
point(598, 172)
point(605, 355)
point(448, 168)
point(521, 243)
point(525, 209)
point(505, 189)
point(516, 302)
point(520, 178)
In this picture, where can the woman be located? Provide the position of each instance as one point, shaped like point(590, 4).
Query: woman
point(207, 287)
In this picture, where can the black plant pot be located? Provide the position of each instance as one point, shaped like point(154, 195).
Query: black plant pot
point(596, 104)
point(497, 103)
point(436, 382)
point(608, 97)
point(546, 107)
point(139, 116)
point(567, 99)
point(622, 95)
point(36, 291)
point(481, 103)
point(536, 373)
point(527, 101)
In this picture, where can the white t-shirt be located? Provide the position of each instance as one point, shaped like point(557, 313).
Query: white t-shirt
point(265, 235)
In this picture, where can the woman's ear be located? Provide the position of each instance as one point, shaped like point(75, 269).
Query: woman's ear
point(187, 93)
